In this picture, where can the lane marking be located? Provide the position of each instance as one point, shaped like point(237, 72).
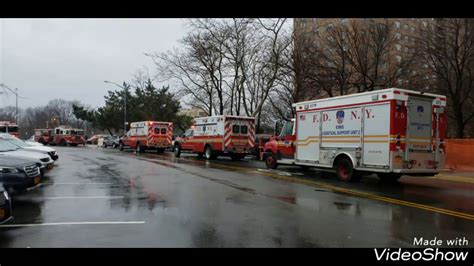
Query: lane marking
point(351, 192)
point(55, 183)
point(74, 223)
point(454, 178)
point(375, 197)
point(74, 197)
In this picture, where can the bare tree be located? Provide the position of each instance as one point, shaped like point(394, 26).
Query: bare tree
point(448, 48)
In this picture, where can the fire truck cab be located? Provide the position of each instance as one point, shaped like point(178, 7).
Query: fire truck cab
point(9, 127)
point(64, 136)
point(389, 132)
point(214, 136)
point(148, 135)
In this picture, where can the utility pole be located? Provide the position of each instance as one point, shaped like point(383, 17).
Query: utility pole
point(16, 117)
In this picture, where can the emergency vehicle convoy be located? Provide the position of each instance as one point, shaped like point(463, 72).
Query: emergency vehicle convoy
point(148, 135)
point(62, 135)
point(9, 127)
point(213, 136)
point(389, 132)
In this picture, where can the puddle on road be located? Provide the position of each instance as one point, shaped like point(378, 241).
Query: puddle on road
point(342, 205)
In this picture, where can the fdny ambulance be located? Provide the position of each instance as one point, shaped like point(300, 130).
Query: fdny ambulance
point(389, 132)
point(213, 136)
point(148, 135)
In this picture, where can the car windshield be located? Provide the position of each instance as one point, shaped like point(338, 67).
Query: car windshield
point(7, 146)
point(18, 142)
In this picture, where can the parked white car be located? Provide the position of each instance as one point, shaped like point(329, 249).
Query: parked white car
point(24, 145)
point(34, 143)
point(11, 150)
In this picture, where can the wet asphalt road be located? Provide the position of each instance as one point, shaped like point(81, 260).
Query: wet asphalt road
point(107, 198)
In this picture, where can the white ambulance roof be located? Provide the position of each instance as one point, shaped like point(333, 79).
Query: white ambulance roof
point(348, 96)
point(215, 118)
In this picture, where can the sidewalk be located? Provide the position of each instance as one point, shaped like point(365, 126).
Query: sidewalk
point(457, 176)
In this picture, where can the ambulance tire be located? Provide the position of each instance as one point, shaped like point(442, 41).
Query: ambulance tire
point(177, 151)
point(63, 143)
point(271, 161)
point(389, 177)
point(345, 171)
point(139, 148)
point(208, 154)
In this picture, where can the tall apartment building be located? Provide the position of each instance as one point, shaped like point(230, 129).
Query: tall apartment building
point(405, 33)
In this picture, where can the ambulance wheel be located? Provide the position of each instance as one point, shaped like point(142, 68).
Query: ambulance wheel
point(345, 171)
point(139, 148)
point(177, 150)
point(63, 143)
point(208, 153)
point(271, 161)
point(389, 177)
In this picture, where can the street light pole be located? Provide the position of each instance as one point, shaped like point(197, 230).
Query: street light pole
point(124, 105)
point(16, 94)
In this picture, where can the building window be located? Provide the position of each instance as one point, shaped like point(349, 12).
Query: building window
point(329, 26)
point(406, 39)
point(406, 49)
point(398, 47)
point(412, 29)
point(425, 24)
point(344, 20)
point(397, 24)
point(398, 36)
point(405, 27)
point(398, 58)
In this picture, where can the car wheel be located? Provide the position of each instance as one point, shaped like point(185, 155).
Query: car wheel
point(177, 151)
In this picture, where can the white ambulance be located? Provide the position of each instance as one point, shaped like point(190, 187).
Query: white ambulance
point(389, 132)
point(213, 136)
point(148, 135)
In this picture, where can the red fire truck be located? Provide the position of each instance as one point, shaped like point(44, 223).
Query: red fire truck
point(65, 135)
point(9, 127)
point(218, 135)
point(148, 135)
point(44, 135)
point(389, 132)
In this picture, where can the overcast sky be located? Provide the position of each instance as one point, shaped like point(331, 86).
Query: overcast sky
point(70, 58)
